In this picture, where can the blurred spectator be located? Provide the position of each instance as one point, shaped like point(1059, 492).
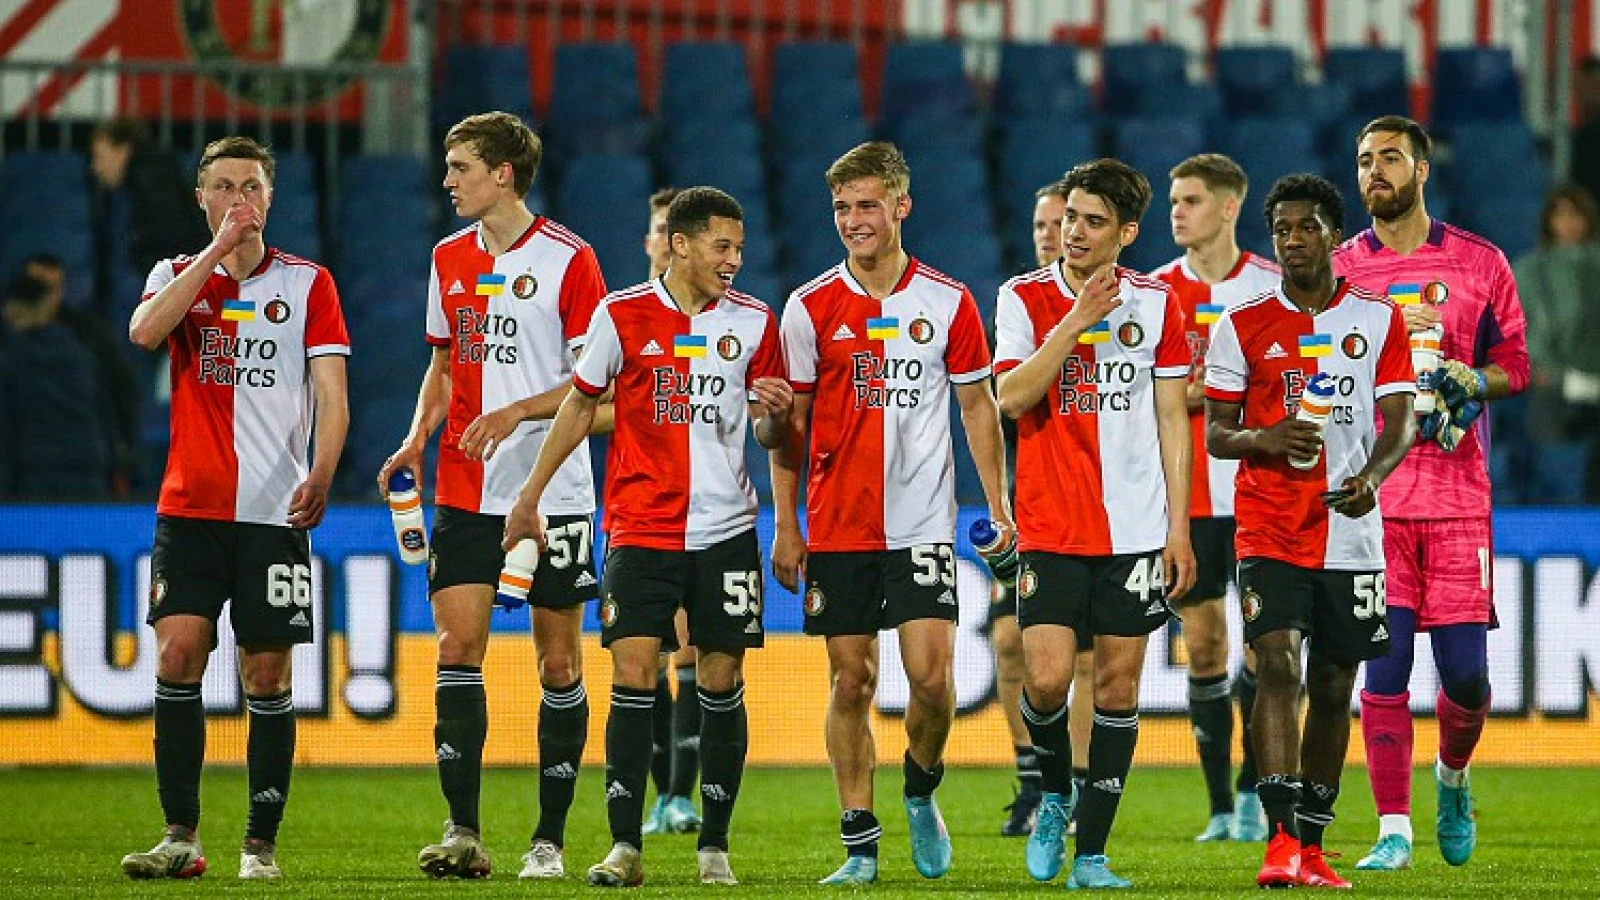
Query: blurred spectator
point(145, 207)
point(57, 441)
point(1586, 137)
point(1560, 287)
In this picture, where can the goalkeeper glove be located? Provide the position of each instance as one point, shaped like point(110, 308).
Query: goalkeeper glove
point(1456, 383)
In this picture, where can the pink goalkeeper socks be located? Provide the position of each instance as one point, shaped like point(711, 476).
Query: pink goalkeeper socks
point(1459, 730)
point(1386, 729)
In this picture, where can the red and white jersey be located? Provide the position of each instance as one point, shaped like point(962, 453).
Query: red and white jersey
point(1089, 477)
point(513, 323)
point(882, 470)
point(1211, 488)
point(1262, 354)
point(676, 476)
point(1483, 324)
point(241, 387)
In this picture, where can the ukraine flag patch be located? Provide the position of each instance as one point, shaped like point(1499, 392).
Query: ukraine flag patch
point(491, 285)
point(1315, 345)
point(238, 310)
point(691, 346)
point(884, 329)
point(1208, 313)
point(1407, 294)
point(1099, 334)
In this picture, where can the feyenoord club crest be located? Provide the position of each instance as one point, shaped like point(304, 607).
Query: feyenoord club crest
point(1354, 345)
point(814, 602)
point(1250, 605)
point(608, 612)
point(1130, 334)
point(524, 286)
point(921, 330)
point(365, 26)
point(1435, 292)
point(729, 347)
point(277, 311)
point(1027, 582)
point(158, 591)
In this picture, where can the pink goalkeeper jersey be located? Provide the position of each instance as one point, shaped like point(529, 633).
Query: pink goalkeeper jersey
point(1483, 324)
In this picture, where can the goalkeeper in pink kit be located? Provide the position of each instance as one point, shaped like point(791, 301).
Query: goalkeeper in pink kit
point(1438, 544)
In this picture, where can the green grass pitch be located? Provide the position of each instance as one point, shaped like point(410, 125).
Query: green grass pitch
point(356, 832)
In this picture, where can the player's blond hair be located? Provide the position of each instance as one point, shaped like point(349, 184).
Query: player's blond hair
point(874, 159)
point(1216, 171)
point(500, 138)
point(235, 147)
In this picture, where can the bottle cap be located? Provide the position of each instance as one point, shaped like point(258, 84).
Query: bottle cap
point(982, 533)
point(401, 480)
point(1321, 385)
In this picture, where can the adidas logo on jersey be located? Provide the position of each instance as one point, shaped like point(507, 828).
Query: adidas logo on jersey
point(456, 288)
point(560, 770)
point(651, 349)
point(270, 795)
point(584, 579)
point(1382, 634)
point(615, 791)
point(203, 307)
point(1109, 785)
point(445, 752)
point(753, 628)
point(715, 793)
point(1276, 351)
point(299, 620)
point(844, 333)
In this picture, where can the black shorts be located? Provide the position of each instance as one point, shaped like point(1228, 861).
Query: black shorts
point(1212, 539)
point(1004, 603)
point(465, 549)
point(719, 587)
point(1341, 613)
point(1123, 595)
point(867, 592)
point(200, 564)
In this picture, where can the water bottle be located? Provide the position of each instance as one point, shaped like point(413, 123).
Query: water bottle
point(516, 577)
point(1316, 401)
point(998, 549)
point(405, 508)
point(1425, 356)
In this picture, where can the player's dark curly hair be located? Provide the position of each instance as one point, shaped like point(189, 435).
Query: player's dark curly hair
point(691, 211)
point(1121, 186)
point(1306, 186)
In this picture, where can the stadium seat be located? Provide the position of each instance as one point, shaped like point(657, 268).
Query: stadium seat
point(1291, 139)
point(594, 103)
point(1508, 219)
point(1154, 146)
point(1136, 75)
point(926, 79)
point(706, 82)
point(484, 77)
point(1375, 76)
point(368, 173)
point(1253, 80)
point(42, 170)
point(816, 99)
point(1481, 154)
point(739, 175)
point(1035, 152)
point(936, 134)
point(1475, 84)
point(1038, 80)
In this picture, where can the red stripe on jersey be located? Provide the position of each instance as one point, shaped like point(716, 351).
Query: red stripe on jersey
point(839, 508)
point(201, 479)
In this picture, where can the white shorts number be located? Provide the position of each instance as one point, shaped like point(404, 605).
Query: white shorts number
point(1147, 576)
point(1371, 599)
point(936, 564)
point(744, 593)
point(289, 584)
point(568, 543)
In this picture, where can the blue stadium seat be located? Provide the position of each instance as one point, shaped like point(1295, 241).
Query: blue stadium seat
point(362, 176)
point(1136, 75)
point(1038, 80)
point(605, 199)
point(1253, 79)
point(1154, 146)
point(44, 170)
point(711, 138)
point(816, 98)
point(1034, 153)
point(739, 175)
point(478, 78)
point(1482, 153)
point(935, 134)
point(1293, 140)
point(1184, 101)
point(1509, 220)
point(926, 79)
point(795, 63)
point(1475, 84)
point(705, 81)
point(1375, 76)
point(594, 104)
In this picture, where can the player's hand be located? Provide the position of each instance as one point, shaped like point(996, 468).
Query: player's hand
point(775, 396)
point(1291, 437)
point(1359, 498)
point(309, 503)
point(409, 456)
point(523, 522)
point(1180, 566)
point(239, 224)
point(1420, 316)
point(789, 558)
point(482, 438)
point(1456, 383)
point(1096, 301)
point(1194, 394)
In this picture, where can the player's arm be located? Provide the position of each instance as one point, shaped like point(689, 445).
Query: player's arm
point(482, 438)
point(155, 318)
point(1023, 387)
point(1360, 491)
point(980, 419)
point(569, 429)
point(331, 389)
point(433, 402)
point(771, 410)
point(1227, 438)
point(1177, 460)
point(788, 459)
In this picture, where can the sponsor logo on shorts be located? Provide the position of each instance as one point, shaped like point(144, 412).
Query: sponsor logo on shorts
point(921, 330)
point(158, 590)
point(1250, 605)
point(753, 628)
point(608, 612)
point(815, 603)
point(300, 620)
point(1381, 634)
point(729, 347)
point(584, 579)
point(948, 598)
point(1354, 345)
point(1027, 582)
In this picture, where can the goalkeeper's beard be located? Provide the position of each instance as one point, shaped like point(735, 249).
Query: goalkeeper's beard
point(1389, 209)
